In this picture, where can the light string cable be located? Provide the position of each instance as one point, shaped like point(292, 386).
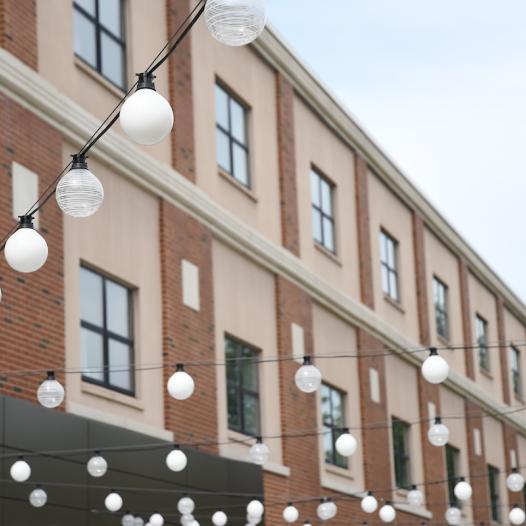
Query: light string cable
point(112, 117)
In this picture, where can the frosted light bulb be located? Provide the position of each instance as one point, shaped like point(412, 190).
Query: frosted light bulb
point(517, 516)
point(26, 250)
point(156, 520)
point(253, 520)
point(463, 490)
point(139, 521)
point(415, 497)
point(235, 22)
point(308, 377)
point(324, 510)
point(255, 508)
point(187, 520)
point(346, 444)
point(146, 116)
point(438, 433)
point(387, 513)
point(113, 501)
point(79, 193)
point(50, 393)
point(176, 460)
point(186, 505)
point(38, 498)
point(333, 509)
point(180, 385)
point(369, 504)
point(290, 513)
point(453, 516)
point(20, 470)
point(219, 518)
point(195, 523)
point(515, 481)
point(259, 452)
point(97, 465)
point(128, 520)
point(435, 369)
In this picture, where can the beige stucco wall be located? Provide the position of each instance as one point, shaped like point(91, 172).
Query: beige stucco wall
point(250, 317)
point(516, 334)
point(333, 336)
point(251, 80)
point(443, 264)
point(128, 221)
point(146, 34)
point(483, 303)
point(496, 456)
point(317, 145)
point(389, 213)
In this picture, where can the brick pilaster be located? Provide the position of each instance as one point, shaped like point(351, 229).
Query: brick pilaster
point(421, 279)
point(287, 165)
point(466, 318)
point(18, 29)
point(364, 230)
point(188, 335)
point(503, 352)
point(509, 439)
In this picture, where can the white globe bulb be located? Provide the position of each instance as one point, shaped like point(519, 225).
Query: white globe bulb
point(235, 22)
point(139, 521)
point(453, 516)
point(346, 444)
point(517, 516)
point(20, 471)
point(219, 518)
point(176, 460)
point(97, 466)
point(79, 193)
point(254, 520)
point(180, 385)
point(146, 116)
point(415, 497)
point(26, 250)
point(194, 523)
point(185, 506)
point(435, 369)
point(50, 393)
point(515, 481)
point(369, 504)
point(324, 510)
point(290, 513)
point(333, 509)
point(387, 513)
point(463, 490)
point(438, 433)
point(156, 520)
point(255, 508)
point(113, 502)
point(308, 377)
point(128, 520)
point(187, 520)
point(307, 523)
point(38, 498)
point(259, 452)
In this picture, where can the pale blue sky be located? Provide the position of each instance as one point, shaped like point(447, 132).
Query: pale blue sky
point(441, 86)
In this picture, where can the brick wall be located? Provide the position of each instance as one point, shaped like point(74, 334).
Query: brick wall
point(466, 318)
point(503, 352)
point(18, 29)
point(32, 308)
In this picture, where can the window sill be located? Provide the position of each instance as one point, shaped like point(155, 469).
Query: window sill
point(236, 184)
point(95, 75)
point(394, 303)
point(418, 511)
point(113, 396)
point(328, 253)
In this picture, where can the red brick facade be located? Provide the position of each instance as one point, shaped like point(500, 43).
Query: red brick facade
point(503, 351)
point(467, 329)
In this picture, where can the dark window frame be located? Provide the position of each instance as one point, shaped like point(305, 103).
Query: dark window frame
point(452, 470)
point(241, 389)
point(385, 239)
point(515, 367)
point(401, 459)
point(324, 215)
point(108, 335)
point(493, 488)
point(100, 29)
point(441, 310)
point(232, 140)
point(335, 430)
point(482, 343)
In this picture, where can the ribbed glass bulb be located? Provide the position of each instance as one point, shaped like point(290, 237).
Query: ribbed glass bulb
point(185, 506)
point(438, 433)
point(415, 497)
point(453, 516)
point(50, 393)
point(38, 498)
point(259, 453)
point(97, 466)
point(324, 510)
point(308, 377)
point(515, 481)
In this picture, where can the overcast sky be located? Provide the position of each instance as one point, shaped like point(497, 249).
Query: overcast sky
point(441, 86)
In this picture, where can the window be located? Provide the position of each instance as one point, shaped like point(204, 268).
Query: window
point(515, 364)
point(481, 326)
point(493, 481)
point(99, 37)
point(106, 332)
point(440, 300)
point(322, 210)
point(333, 416)
point(452, 468)
point(231, 136)
point(402, 461)
point(242, 387)
point(389, 256)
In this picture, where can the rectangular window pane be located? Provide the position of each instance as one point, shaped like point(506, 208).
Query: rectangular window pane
point(328, 445)
point(316, 225)
point(112, 60)
point(119, 361)
point(326, 404)
point(92, 355)
point(87, 5)
point(91, 297)
point(328, 234)
point(326, 204)
point(315, 188)
point(110, 16)
point(85, 40)
point(391, 253)
point(250, 414)
point(240, 164)
point(237, 116)
point(223, 151)
point(117, 309)
point(234, 411)
point(393, 285)
point(383, 248)
point(221, 108)
point(385, 279)
point(249, 374)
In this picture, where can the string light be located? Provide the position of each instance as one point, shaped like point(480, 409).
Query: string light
point(346, 444)
point(308, 377)
point(369, 504)
point(97, 465)
point(180, 385)
point(128, 519)
point(415, 497)
point(219, 518)
point(453, 515)
point(324, 510)
point(435, 369)
point(176, 460)
point(515, 481)
point(463, 490)
point(50, 393)
point(517, 515)
point(20, 471)
point(38, 497)
point(186, 505)
point(113, 501)
point(187, 520)
point(139, 521)
point(438, 433)
point(259, 452)
point(290, 513)
point(387, 513)
point(255, 509)
point(156, 520)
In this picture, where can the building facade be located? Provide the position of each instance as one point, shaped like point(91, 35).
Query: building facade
point(268, 225)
